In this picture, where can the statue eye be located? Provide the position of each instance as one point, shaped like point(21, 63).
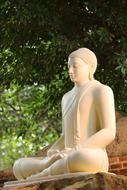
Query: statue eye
point(75, 66)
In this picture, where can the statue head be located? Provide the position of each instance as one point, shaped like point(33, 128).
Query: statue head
point(88, 57)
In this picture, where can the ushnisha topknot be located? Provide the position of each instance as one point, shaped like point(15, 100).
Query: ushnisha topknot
point(88, 57)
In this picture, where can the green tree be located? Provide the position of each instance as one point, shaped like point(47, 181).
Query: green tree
point(23, 131)
point(36, 38)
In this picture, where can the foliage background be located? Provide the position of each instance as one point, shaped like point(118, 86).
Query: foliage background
point(36, 38)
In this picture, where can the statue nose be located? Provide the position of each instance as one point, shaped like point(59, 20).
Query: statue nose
point(70, 70)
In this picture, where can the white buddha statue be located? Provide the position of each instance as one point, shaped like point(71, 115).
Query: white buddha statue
point(88, 118)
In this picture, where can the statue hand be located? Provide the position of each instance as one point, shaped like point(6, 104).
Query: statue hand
point(57, 153)
point(51, 152)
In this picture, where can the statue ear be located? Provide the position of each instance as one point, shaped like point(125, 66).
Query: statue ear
point(91, 74)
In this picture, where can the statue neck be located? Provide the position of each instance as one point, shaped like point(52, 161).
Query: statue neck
point(82, 84)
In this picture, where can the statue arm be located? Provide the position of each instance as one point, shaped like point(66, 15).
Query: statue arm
point(59, 144)
point(104, 100)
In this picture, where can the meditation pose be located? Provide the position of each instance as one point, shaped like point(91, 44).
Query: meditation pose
point(88, 125)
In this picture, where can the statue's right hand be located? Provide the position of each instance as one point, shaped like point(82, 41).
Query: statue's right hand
point(51, 152)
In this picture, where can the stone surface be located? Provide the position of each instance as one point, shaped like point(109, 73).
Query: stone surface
point(6, 175)
point(98, 181)
point(119, 146)
point(118, 115)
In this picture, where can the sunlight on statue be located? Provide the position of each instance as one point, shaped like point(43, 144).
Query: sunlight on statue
point(88, 125)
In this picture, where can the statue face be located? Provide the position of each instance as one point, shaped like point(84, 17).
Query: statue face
point(78, 70)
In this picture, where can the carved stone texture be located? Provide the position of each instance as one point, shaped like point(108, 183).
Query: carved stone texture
point(89, 181)
point(6, 175)
point(119, 146)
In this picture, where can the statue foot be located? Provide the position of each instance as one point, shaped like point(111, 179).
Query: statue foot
point(44, 173)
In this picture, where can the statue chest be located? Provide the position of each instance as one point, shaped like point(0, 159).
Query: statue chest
point(78, 118)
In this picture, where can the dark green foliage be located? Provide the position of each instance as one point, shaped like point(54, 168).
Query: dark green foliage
point(37, 37)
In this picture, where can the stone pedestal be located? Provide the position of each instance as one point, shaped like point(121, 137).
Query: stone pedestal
point(86, 181)
point(6, 175)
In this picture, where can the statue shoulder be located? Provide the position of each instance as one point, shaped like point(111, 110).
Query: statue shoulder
point(102, 91)
point(67, 94)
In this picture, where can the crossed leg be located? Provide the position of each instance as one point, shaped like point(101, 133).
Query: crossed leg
point(83, 160)
point(25, 167)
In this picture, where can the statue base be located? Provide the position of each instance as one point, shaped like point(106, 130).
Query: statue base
point(80, 180)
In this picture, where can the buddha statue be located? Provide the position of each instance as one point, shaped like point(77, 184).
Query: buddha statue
point(88, 125)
